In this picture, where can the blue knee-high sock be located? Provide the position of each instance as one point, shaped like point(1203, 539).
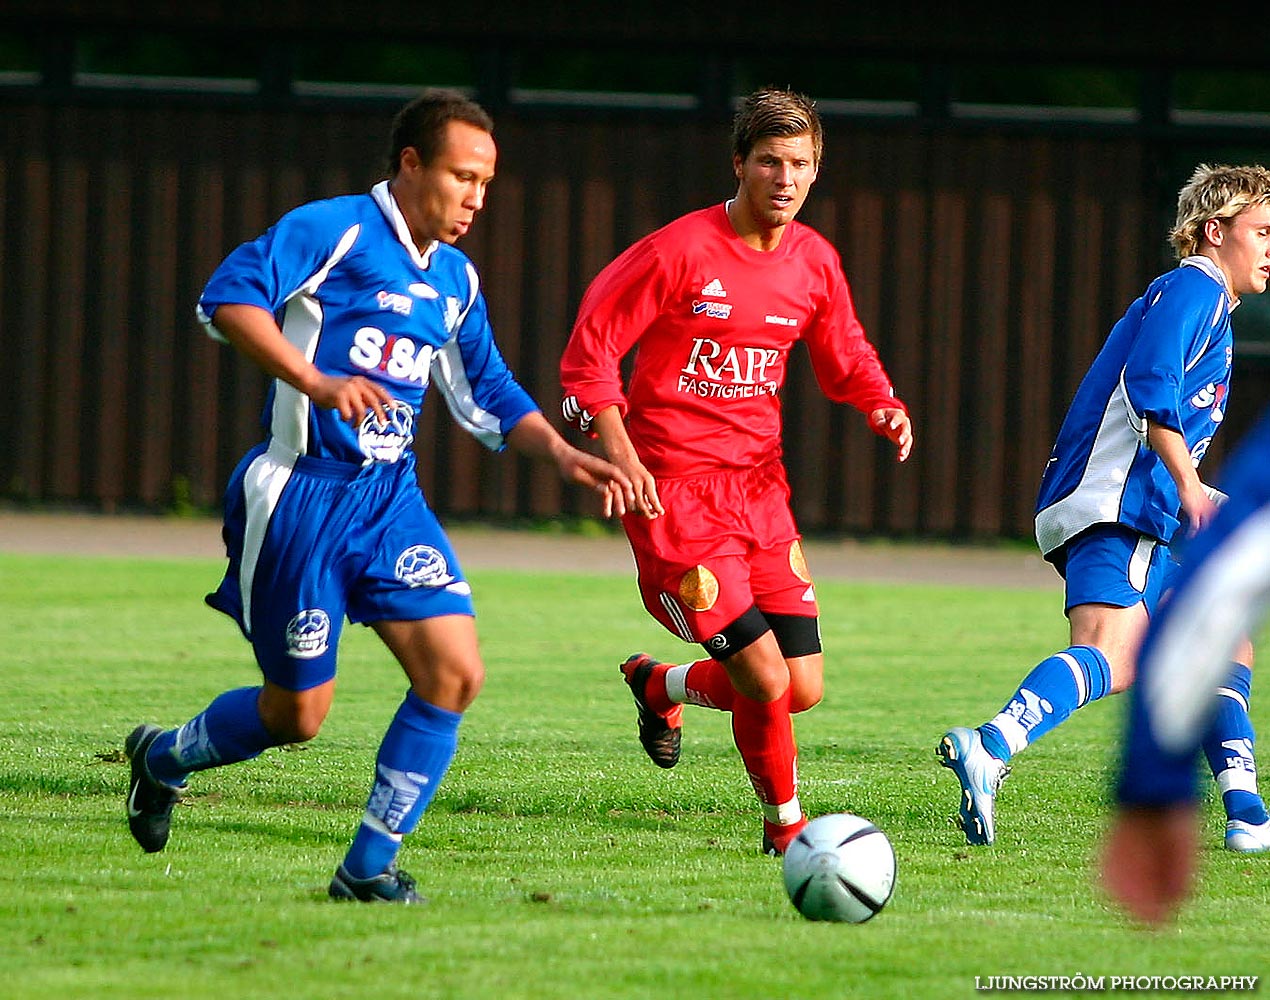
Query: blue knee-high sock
point(1055, 688)
point(413, 758)
point(229, 730)
point(1229, 749)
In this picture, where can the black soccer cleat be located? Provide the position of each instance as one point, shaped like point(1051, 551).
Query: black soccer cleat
point(150, 801)
point(659, 735)
point(393, 886)
point(777, 837)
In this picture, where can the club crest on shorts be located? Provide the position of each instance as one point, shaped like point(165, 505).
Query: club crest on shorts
point(309, 634)
point(798, 561)
point(699, 589)
point(386, 440)
point(423, 566)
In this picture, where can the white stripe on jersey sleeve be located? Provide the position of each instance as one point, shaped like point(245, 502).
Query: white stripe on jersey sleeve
point(450, 376)
point(1137, 421)
point(320, 275)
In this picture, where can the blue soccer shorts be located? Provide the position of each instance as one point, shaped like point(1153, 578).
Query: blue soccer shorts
point(1113, 564)
point(311, 541)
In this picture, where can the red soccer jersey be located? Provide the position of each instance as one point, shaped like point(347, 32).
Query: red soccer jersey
point(714, 321)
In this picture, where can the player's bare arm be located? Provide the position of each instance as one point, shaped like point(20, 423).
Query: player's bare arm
point(1148, 863)
point(621, 451)
point(894, 424)
point(1176, 456)
point(535, 437)
point(254, 332)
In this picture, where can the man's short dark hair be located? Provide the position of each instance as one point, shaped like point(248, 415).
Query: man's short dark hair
point(421, 124)
point(773, 112)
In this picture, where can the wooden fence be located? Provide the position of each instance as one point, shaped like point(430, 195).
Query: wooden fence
point(987, 267)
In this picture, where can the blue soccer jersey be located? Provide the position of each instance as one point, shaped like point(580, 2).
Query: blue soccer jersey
point(352, 291)
point(1167, 360)
point(324, 519)
point(1223, 590)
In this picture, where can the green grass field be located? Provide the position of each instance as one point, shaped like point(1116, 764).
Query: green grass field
point(559, 862)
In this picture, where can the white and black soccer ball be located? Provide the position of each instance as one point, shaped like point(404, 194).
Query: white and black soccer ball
point(840, 867)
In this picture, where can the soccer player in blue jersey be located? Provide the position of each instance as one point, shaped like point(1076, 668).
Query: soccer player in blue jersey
point(353, 306)
point(1122, 480)
point(1184, 679)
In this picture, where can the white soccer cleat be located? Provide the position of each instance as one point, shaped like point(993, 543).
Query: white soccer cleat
point(1247, 838)
point(980, 774)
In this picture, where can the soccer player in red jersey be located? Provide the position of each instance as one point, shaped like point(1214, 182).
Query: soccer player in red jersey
point(714, 302)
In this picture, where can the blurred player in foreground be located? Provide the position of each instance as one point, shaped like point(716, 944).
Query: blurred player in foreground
point(1184, 679)
point(354, 305)
point(713, 303)
point(1121, 481)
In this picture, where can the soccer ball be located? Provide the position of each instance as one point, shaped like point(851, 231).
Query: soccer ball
point(840, 867)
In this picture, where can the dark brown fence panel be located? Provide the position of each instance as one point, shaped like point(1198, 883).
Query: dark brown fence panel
point(114, 277)
point(503, 280)
point(1034, 421)
point(947, 346)
point(853, 503)
point(987, 267)
point(206, 239)
point(70, 313)
point(29, 238)
point(991, 250)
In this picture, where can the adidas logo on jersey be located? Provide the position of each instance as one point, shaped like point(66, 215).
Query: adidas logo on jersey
point(715, 288)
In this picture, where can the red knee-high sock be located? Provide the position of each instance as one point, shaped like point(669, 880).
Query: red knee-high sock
point(764, 734)
point(709, 685)
point(703, 683)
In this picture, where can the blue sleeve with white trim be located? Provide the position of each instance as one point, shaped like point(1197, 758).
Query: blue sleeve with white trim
point(479, 388)
point(1176, 329)
point(266, 271)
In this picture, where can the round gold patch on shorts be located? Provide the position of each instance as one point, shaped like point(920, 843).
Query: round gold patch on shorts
point(798, 562)
point(699, 589)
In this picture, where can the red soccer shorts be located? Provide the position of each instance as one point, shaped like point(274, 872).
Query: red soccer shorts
point(726, 543)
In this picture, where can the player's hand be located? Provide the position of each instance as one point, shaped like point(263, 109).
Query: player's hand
point(644, 486)
point(617, 495)
point(534, 436)
point(894, 425)
point(611, 430)
point(351, 396)
point(1198, 507)
point(1148, 862)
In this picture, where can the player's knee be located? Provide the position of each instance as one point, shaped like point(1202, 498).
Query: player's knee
point(451, 684)
point(304, 730)
point(764, 686)
point(294, 716)
point(798, 637)
point(295, 726)
point(1123, 671)
point(469, 681)
point(805, 693)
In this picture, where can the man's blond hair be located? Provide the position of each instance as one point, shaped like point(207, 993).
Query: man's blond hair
point(1216, 192)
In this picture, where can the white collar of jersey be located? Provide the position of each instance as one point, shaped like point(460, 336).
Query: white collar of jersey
point(392, 212)
point(1207, 265)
